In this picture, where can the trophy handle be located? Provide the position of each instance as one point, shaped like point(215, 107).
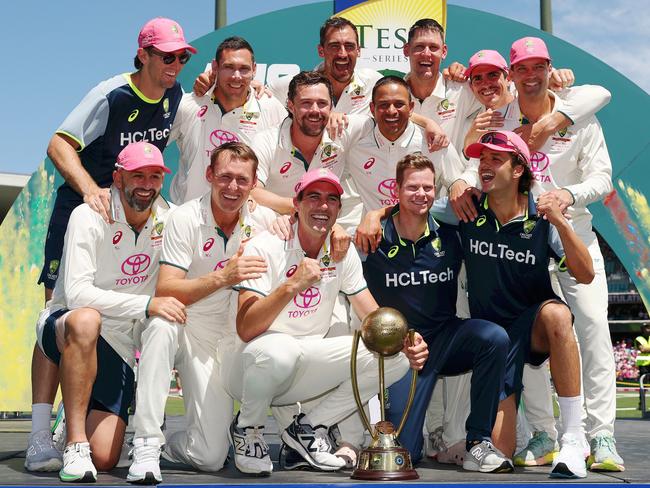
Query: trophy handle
point(355, 384)
point(414, 379)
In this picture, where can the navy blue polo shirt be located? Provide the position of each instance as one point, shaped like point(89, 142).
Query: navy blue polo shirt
point(507, 265)
point(420, 279)
point(111, 116)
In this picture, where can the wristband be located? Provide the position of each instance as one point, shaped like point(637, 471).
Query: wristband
point(573, 197)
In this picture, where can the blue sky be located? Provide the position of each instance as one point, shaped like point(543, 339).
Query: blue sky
point(56, 51)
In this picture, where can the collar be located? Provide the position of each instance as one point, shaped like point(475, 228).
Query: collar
point(250, 106)
point(206, 216)
point(391, 235)
point(293, 244)
point(285, 142)
point(402, 141)
point(117, 209)
point(531, 210)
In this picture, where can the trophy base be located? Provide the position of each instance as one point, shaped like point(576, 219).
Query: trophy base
point(384, 464)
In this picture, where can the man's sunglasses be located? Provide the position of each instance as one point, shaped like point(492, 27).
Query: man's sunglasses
point(169, 58)
point(501, 140)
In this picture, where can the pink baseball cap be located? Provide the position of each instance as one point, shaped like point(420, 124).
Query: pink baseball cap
point(499, 140)
point(526, 48)
point(486, 57)
point(166, 35)
point(320, 174)
point(140, 155)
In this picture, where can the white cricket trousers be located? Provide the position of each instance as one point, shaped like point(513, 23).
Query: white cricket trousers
point(208, 407)
point(279, 369)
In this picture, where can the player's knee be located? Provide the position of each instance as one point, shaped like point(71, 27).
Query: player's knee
point(494, 336)
point(104, 458)
point(279, 365)
point(83, 326)
point(557, 322)
point(210, 460)
point(159, 328)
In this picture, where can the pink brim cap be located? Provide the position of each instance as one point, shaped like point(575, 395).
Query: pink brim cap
point(486, 57)
point(166, 35)
point(515, 144)
point(528, 48)
point(138, 155)
point(315, 175)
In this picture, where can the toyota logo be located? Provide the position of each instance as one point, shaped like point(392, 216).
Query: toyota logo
point(208, 244)
point(219, 137)
point(308, 298)
point(368, 164)
point(388, 188)
point(136, 264)
point(221, 264)
point(539, 162)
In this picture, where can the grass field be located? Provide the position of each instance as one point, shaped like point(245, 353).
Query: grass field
point(627, 406)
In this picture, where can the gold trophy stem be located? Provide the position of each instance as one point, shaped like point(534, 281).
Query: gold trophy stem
point(355, 386)
point(409, 402)
point(382, 388)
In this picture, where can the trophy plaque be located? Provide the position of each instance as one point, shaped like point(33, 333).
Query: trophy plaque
point(383, 332)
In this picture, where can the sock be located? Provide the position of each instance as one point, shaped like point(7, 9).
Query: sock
point(571, 414)
point(41, 414)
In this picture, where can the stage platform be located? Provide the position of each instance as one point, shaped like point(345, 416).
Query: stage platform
point(633, 439)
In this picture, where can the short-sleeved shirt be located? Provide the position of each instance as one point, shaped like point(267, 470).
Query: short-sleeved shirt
point(575, 158)
point(201, 126)
point(355, 99)
point(507, 265)
point(111, 268)
point(111, 116)
point(419, 278)
point(371, 162)
point(309, 313)
point(281, 165)
point(194, 243)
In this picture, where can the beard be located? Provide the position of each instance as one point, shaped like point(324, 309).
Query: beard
point(138, 204)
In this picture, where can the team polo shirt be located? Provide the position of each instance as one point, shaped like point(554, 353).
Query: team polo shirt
point(111, 268)
point(372, 162)
point(309, 313)
point(201, 126)
point(281, 165)
point(575, 158)
point(355, 99)
point(450, 104)
point(194, 243)
point(419, 278)
point(507, 264)
point(111, 116)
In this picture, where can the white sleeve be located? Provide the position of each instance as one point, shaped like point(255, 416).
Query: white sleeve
point(358, 126)
point(177, 248)
point(264, 284)
point(352, 280)
point(595, 167)
point(280, 88)
point(581, 102)
point(180, 121)
point(264, 151)
point(82, 243)
point(455, 167)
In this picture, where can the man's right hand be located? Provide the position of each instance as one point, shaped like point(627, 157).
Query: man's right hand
point(240, 268)
point(204, 82)
point(307, 273)
point(99, 199)
point(169, 308)
point(368, 234)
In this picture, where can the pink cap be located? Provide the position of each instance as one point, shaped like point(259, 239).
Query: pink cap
point(486, 57)
point(140, 155)
point(499, 140)
point(526, 48)
point(320, 174)
point(163, 34)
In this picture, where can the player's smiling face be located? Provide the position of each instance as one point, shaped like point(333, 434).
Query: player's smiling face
point(318, 208)
point(531, 76)
point(340, 53)
point(490, 86)
point(235, 70)
point(495, 170)
point(161, 74)
point(391, 108)
point(426, 51)
point(231, 179)
point(310, 107)
point(140, 187)
point(417, 191)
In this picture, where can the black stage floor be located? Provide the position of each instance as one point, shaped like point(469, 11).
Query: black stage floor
point(633, 443)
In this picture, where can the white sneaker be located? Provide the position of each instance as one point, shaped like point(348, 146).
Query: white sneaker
point(486, 458)
point(313, 444)
point(41, 454)
point(77, 465)
point(570, 462)
point(145, 468)
point(251, 450)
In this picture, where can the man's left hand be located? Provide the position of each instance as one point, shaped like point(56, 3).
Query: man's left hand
point(417, 353)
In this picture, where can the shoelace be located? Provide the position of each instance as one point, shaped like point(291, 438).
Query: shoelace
point(605, 441)
point(144, 453)
point(255, 436)
point(79, 451)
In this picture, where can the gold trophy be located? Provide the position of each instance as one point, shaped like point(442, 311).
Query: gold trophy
point(383, 332)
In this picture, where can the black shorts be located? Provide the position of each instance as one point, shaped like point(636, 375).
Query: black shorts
point(114, 386)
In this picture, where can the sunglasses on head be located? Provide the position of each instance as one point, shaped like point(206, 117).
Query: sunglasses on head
point(169, 58)
point(501, 140)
